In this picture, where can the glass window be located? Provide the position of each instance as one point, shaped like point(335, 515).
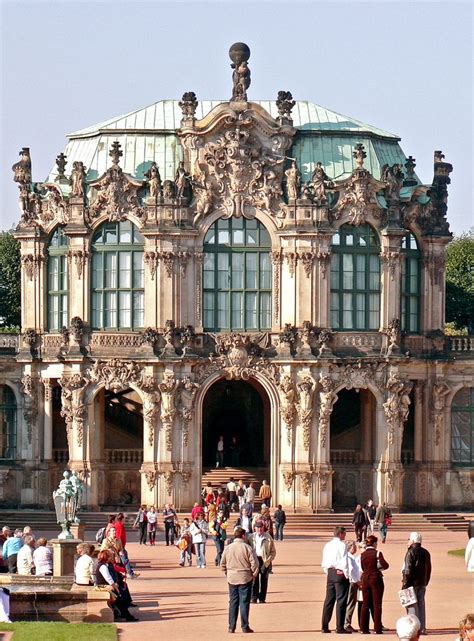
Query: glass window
point(410, 286)
point(57, 279)
point(118, 277)
point(462, 428)
point(237, 276)
point(355, 279)
point(8, 429)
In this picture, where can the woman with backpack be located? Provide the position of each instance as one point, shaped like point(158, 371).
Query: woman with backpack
point(217, 529)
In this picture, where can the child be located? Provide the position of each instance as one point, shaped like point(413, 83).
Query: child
point(185, 544)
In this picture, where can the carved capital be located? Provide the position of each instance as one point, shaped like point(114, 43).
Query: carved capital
point(307, 258)
point(291, 259)
point(151, 261)
point(289, 478)
point(391, 260)
point(324, 258)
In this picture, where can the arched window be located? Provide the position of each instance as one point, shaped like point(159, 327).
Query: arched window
point(355, 279)
point(58, 280)
point(237, 276)
point(410, 291)
point(118, 296)
point(462, 427)
point(7, 423)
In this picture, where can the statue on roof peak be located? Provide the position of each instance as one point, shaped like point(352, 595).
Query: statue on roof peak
point(239, 53)
point(22, 168)
point(116, 152)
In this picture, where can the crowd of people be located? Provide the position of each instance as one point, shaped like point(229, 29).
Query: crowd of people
point(354, 569)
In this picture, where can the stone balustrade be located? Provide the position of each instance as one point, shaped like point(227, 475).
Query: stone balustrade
point(345, 457)
point(461, 343)
point(124, 456)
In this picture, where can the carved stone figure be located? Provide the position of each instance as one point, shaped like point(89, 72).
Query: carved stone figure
point(287, 340)
point(239, 53)
point(440, 392)
point(358, 196)
point(154, 181)
point(77, 180)
point(397, 405)
point(306, 388)
point(319, 183)
point(168, 190)
point(359, 155)
point(22, 169)
point(181, 180)
point(285, 104)
point(188, 104)
point(394, 335)
point(150, 412)
point(77, 328)
point(327, 398)
point(168, 389)
point(188, 389)
point(61, 162)
point(288, 397)
point(186, 338)
point(169, 334)
point(324, 338)
point(293, 182)
point(393, 179)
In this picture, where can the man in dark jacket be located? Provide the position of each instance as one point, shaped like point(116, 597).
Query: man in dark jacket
point(417, 573)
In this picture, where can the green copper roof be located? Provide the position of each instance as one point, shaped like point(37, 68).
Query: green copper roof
point(149, 134)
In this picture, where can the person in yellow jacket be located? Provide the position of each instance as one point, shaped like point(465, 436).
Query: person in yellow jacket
point(265, 493)
point(264, 547)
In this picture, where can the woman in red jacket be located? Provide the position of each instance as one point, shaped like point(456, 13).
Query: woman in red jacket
point(372, 563)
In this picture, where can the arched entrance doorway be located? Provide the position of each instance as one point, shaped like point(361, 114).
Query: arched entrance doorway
point(352, 444)
point(236, 410)
point(121, 420)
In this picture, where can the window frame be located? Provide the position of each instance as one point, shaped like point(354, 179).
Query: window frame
point(408, 254)
point(218, 293)
point(101, 250)
point(463, 409)
point(340, 250)
point(58, 251)
point(8, 440)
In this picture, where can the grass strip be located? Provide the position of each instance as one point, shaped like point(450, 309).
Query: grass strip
point(48, 631)
point(457, 552)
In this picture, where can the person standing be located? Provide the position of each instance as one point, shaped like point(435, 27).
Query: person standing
point(151, 518)
point(265, 493)
point(10, 550)
point(335, 564)
point(121, 534)
point(360, 522)
point(241, 488)
point(217, 529)
point(170, 517)
point(355, 572)
point(141, 523)
point(185, 544)
point(220, 452)
point(279, 518)
point(241, 567)
point(383, 517)
point(371, 511)
point(264, 547)
point(4, 535)
point(250, 497)
point(372, 562)
point(416, 573)
point(244, 521)
point(232, 494)
point(234, 451)
point(199, 529)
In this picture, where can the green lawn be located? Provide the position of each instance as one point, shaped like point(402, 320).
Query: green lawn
point(61, 631)
point(457, 552)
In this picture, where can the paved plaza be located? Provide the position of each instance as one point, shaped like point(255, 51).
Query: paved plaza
point(186, 603)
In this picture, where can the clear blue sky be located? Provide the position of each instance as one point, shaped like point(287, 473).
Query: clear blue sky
point(403, 67)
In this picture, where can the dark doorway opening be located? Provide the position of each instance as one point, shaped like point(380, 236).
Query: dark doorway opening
point(236, 409)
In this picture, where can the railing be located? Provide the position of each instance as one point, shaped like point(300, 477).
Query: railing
point(9, 343)
point(461, 343)
point(124, 456)
point(61, 456)
point(408, 457)
point(345, 457)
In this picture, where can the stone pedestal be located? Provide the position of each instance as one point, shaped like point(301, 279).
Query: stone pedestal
point(78, 530)
point(64, 552)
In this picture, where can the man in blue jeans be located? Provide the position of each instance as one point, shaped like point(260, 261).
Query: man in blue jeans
point(241, 567)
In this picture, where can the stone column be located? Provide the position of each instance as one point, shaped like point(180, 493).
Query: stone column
point(323, 280)
point(48, 420)
point(288, 285)
point(151, 282)
point(390, 259)
point(419, 441)
point(324, 471)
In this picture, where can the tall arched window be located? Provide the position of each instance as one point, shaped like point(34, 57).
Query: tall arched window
point(237, 276)
point(118, 296)
point(355, 279)
point(58, 280)
point(410, 291)
point(462, 427)
point(7, 423)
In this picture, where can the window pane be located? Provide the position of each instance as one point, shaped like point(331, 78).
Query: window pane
point(265, 310)
point(335, 311)
point(126, 232)
point(374, 277)
point(360, 311)
point(138, 309)
point(237, 271)
point(223, 232)
point(251, 310)
point(110, 310)
point(54, 273)
point(251, 271)
point(96, 308)
point(138, 238)
point(237, 310)
point(223, 310)
point(237, 231)
point(349, 238)
point(265, 271)
point(335, 258)
point(264, 237)
point(97, 273)
point(360, 272)
point(111, 270)
point(110, 234)
point(208, 308)
point(223, 275)
point(138, 270)
point(210, 236)
point(125, 263)
point(251, 236)
point(64, 280)
point(347, 276)
point(125, 309)
point(347, 311)
point(374, 311)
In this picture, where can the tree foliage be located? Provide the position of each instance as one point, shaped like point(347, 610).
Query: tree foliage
point(10, 281)
point(460, 282)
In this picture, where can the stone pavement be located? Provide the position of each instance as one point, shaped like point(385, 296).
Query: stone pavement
point(187, 603)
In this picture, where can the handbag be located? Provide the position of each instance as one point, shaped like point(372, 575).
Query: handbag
point(379, 565)
point(407, 597)
point(387, 520)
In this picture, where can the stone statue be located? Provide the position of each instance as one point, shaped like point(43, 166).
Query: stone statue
point(188, 392)
point(78, 489)
point(288, 398)
point(188, 104)
point(293, 181)
point(393, 179)
point(327, 398)
point(320, 181)
point(22, 169)
point(180, 180)
point(285, 104)
point(154, 181)
point(61, 162)
point(65, 503)
point(239, 54)
point(78, 176)
point(168, 190)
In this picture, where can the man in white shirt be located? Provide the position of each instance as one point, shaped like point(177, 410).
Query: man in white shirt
point(335, 564)
point(232, 491)
point(24, 559)
point(220, 452)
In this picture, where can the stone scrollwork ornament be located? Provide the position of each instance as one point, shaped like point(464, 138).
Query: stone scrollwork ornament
point(188, 104)
point(327, 399)
point(187, 392)
point(168, 389)
point(440, 392)
point(150, 412)
point(306, 482)
point(288, 479)
point(117, 375)
point(151, 477)
point(288, 399)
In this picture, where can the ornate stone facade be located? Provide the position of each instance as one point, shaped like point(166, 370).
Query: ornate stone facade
point(242, 163)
